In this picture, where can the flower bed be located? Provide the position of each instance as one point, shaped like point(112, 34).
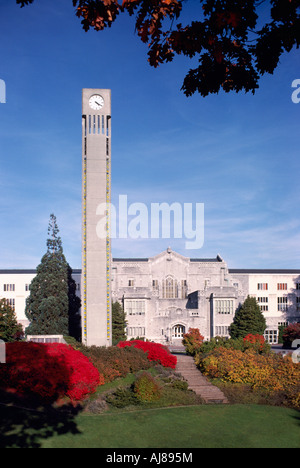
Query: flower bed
point(155, 352)
point(48, 372)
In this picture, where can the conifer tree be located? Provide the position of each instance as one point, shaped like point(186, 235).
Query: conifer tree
point(10, 329)
point(47, 307)
point(118, 323)
point(248, 319)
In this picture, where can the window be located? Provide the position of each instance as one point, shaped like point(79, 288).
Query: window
point(264, 308)
point(271, 336)
point(178, 331)
point(282, 286)
point(136, 331)
point(131, 283)
point(262, 299)
point(170, 288)
point(136, 307)
point(8, 287)
point(262, 286)
point(155, 285)
point(298, 286)
point(27, 287)
point(282, 304)
point(183, 289)
point(222, 331)
point(224, 306)
point(11, 303)
point(283, 324)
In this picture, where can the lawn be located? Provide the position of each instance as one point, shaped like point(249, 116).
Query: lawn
point(203, 426)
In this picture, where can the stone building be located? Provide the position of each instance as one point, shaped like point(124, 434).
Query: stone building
point(165, 295)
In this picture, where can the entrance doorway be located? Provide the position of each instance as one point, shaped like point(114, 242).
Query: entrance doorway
point(177, 332)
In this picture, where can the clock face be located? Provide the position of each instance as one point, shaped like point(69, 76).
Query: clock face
point(96, 102)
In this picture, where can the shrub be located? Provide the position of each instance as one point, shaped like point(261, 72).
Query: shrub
point(122, 397)
point(180, 385)
point(257, 343)
point(146, 388)
point(155, 352)
point(192, 341)
point(115, 362)
point(290, 334)
point(48, 372)
point(273, 373)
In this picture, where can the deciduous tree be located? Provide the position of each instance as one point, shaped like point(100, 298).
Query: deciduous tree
point(236, 42)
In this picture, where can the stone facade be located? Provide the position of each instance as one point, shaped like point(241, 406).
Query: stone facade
point(167, 294)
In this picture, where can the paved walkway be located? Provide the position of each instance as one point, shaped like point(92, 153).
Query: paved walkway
point(197, 382)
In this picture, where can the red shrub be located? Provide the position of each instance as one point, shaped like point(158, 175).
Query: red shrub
point(256, 342)
point(155, 352)
point(48, 371)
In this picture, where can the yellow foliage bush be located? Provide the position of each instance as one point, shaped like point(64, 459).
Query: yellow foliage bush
point(270, 372)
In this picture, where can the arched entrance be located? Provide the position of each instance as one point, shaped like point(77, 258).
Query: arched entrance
point(177, 332)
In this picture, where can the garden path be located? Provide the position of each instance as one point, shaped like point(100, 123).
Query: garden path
point(197, 381)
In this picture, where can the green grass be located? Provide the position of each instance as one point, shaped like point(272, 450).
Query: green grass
point(204, 426)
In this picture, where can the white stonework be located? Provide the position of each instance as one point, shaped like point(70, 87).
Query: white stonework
point(165, 295)
point(96, 192)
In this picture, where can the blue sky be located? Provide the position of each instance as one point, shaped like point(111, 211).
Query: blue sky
point(237, 154)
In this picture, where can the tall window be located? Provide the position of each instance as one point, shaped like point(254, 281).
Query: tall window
point(282, 304)
point(8, 287)
point(170, 288)
point(136, 307)
point(282, 286)
point(262, 286)
point(261, 300)
point(221, 330)
point(183, 289)
point(178, 331)
point(224, 306)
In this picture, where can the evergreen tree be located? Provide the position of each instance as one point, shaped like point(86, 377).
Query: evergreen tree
point(10, 329)
point(48, 307)
point(248, 319)
point(118, 323)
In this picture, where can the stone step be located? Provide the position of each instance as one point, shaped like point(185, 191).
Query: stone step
point(198, 382)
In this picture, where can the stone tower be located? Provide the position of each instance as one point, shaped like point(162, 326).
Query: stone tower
point(96, 197)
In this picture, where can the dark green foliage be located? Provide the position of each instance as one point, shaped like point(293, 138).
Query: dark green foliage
point(248, 319)
point(122, 397)
point(10, 329)
point(48, 305)
point(118, 323)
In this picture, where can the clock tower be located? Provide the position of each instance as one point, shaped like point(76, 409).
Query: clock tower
point(96, 191)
